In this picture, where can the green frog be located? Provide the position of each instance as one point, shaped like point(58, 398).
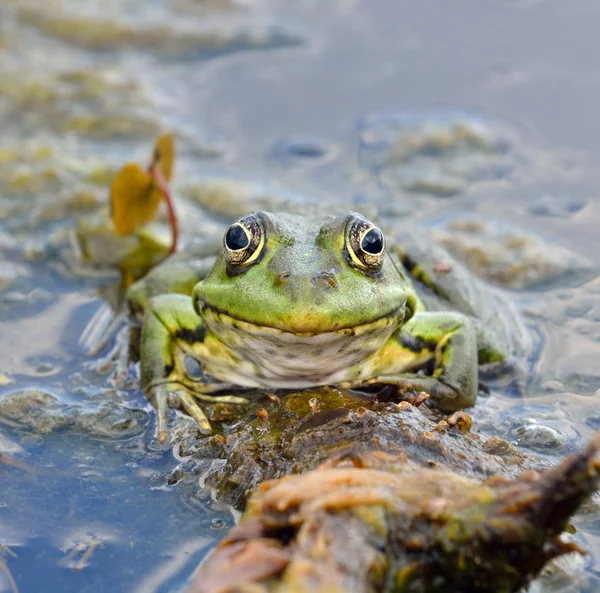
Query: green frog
point(295, 301)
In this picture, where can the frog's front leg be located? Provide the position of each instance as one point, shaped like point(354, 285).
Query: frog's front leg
point(176, 275)
point(171, 331)
point(173, 276)
point(444, 345)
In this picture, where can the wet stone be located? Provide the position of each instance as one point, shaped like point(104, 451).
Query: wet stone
point(539, 437)
point(230, 197)
point(26, 404)
point(496, 446)
point(168, 35)
point(46, 368)
point(435, 153)
point(593, 421)
point(509, 256)
point(553, 386)
point(43, 413)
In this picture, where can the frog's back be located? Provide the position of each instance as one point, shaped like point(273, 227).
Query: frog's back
point(443, 283)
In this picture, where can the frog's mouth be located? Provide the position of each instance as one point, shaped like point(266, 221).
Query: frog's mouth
point(219, 320)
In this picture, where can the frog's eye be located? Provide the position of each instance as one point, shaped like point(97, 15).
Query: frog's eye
point(365, 244)
point(244, 241)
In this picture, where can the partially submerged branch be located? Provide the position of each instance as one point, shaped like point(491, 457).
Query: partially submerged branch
point(380, 523)
point(351, 495)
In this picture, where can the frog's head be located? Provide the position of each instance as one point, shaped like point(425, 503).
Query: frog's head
point(304, 276)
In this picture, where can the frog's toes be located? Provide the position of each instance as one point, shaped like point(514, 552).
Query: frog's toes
point(159, 396)
point(189, 404)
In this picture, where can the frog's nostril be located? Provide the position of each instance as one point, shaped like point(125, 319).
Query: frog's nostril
point(327, 277)
point(282, 277)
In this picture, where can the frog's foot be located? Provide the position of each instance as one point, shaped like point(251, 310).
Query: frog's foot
point(176, 395)
point(410, 384)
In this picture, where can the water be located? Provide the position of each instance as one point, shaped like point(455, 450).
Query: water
point(468, 115)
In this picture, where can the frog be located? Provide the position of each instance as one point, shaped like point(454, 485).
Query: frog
point(294, 301)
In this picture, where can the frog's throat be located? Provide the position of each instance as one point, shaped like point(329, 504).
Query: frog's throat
point(251, 355)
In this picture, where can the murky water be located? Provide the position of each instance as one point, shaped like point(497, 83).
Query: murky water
point(474, 118)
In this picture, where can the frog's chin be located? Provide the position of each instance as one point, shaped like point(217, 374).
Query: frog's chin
point(252, 355)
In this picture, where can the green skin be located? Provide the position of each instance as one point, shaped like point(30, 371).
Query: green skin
point(303, 304)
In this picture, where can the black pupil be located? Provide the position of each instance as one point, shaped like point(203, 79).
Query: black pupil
point(236, 238)
point(373, 242)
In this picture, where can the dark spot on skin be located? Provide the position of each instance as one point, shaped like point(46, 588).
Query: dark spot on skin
point(290, 356)
point(429, 366)
point(409, 263)
point(412, 343)
point(191, 336)
point(417, 272)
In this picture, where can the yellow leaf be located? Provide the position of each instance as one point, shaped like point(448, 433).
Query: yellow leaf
point(134, 200)
point(164, 155)
point(5, 380)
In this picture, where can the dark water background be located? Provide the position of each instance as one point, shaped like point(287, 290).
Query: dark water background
point(277, 97)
